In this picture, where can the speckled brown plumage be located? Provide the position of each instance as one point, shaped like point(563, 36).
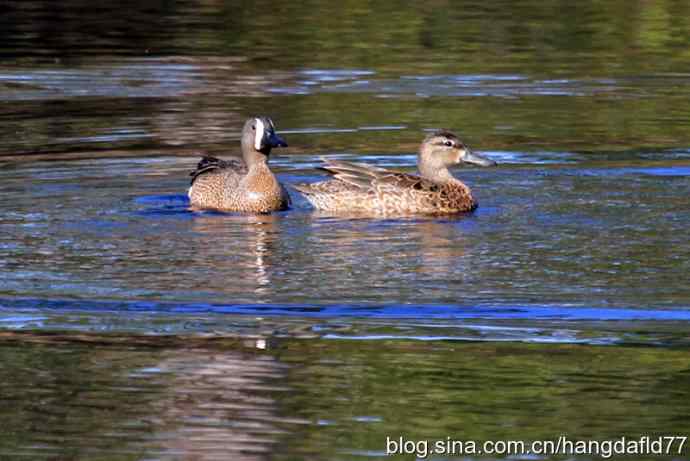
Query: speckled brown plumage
point(233, 185)
point(363, 189)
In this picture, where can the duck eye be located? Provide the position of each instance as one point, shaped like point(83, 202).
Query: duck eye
point(448, 143)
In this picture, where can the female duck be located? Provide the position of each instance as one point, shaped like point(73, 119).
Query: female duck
point(359, 188)
point(233, 185)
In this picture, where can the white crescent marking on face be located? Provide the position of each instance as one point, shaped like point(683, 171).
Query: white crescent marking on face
point(259, 134)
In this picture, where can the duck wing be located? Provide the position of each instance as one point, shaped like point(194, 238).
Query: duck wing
point(364, 176)
point(212, 164)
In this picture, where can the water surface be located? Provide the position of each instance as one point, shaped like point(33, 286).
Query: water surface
point(134, 328)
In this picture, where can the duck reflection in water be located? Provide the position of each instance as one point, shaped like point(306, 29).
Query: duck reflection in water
point(243, 245)
point(379, 260)
point(220, 403)
point(177, 395)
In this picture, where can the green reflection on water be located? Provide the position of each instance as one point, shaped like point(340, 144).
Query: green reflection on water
point(236, 54)
point(321, 399)
point(489, 392)
point(589, 38)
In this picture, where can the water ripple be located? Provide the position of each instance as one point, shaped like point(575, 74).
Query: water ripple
point(477, 85)
point(539, 324)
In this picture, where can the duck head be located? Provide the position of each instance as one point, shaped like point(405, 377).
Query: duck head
point(443, 149)
point(258, 138)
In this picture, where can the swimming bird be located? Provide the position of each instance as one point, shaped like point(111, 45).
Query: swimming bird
point(246, 186)
point(364, 189)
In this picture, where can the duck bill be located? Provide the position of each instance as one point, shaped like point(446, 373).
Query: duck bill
point(476, 159)
point(275, 141)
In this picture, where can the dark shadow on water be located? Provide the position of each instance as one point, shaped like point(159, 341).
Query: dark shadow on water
point(430, 311)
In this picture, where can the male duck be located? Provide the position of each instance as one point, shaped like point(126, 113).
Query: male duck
point(360, 188)
point(233, 185)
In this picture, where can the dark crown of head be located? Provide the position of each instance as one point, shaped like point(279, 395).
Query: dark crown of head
point(266, 120)
point(442, 134)
point(445, 133)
